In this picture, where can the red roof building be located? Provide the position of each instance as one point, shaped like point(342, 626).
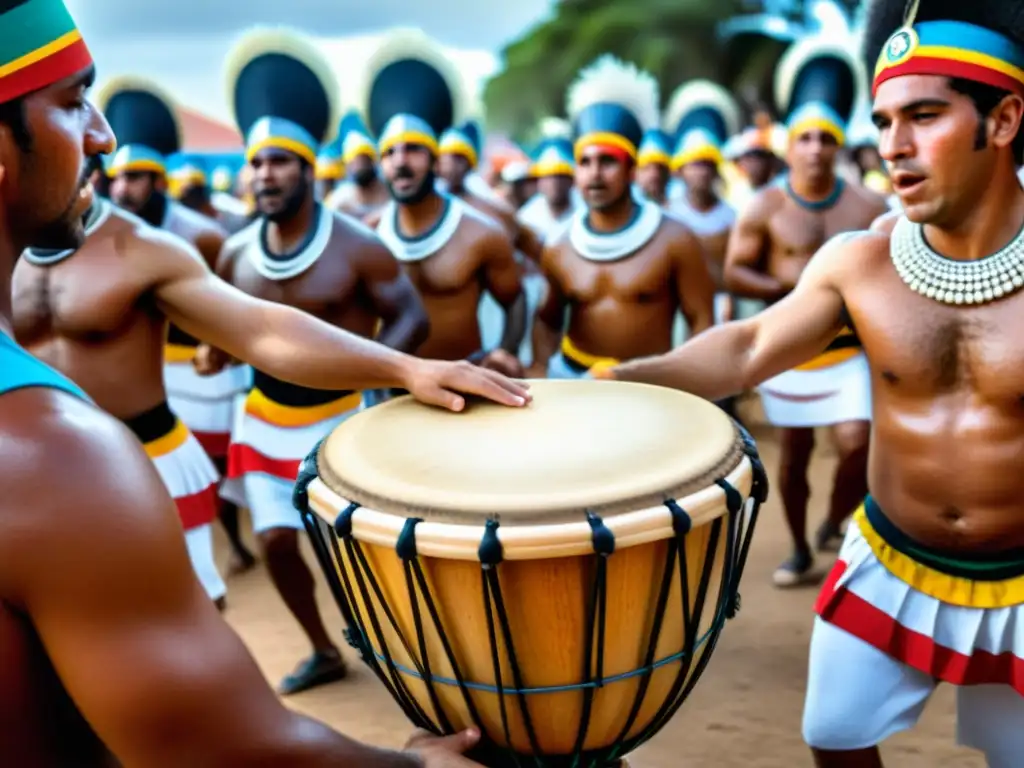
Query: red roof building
point(204, 134)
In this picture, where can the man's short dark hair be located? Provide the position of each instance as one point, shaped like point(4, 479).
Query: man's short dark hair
point(986, 98)
point(12, 114)
point(883, 17)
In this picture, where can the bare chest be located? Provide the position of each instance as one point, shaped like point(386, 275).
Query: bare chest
point(87, 297)
point(922, 347)
point(641, 278)
point(329, 285)
point(450, 270)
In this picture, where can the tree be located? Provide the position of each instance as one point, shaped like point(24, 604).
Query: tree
point(675, 40)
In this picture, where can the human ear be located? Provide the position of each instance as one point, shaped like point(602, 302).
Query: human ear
point(1005, 120)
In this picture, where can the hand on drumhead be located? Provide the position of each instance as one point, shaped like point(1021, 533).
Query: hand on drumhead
point(437, 382)
point(443, 751)
point(504, 363)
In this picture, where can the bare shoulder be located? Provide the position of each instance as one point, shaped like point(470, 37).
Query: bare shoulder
point(372, 219)
point(850, 255)
point(886, 222)
point(353, 232)
point(237, 243)
point(495, 208)
point(157, 252)
point(70, 474)
point(481, 225)
point(194, 225)
point(676, 231)
point(483, 235)
point(358, 243)
point(763, 205)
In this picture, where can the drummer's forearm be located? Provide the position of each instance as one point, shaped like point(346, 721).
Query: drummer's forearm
point(313, 745)
point(713, 365)
point(298, 348)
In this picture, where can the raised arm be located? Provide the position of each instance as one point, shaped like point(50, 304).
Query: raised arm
point(99, 566)
point(737, 356)
point(502, 277)
point(744, 255)
point(394, 298)
point(292, 345)
point(694, 286)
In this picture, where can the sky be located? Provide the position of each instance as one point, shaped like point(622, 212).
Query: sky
point(180, 44)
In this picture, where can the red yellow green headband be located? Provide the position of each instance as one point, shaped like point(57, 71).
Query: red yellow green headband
point(39, 45)
point(953, 49)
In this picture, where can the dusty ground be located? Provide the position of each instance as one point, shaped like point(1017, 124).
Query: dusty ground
point(745, 711)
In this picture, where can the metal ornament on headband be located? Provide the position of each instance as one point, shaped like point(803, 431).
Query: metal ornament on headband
point(954, 49)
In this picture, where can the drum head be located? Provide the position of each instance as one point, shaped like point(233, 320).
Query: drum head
point(580, 445)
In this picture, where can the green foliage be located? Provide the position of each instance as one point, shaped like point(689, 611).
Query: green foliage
point(672, 39)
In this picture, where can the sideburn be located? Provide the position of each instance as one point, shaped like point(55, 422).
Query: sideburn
point(981, 134)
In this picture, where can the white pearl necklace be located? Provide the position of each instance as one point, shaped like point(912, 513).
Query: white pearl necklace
point(951, 281)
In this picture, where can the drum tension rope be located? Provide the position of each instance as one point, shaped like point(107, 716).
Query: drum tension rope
point(345, 586)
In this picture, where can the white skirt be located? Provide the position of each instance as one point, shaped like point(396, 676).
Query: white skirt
point(819, 398)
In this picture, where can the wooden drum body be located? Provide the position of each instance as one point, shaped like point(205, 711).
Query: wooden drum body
point(556, 575)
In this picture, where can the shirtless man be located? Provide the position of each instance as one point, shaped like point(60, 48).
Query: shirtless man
point(363, 193)
point(452, 253)
point(702, 116)
point(774, 239)
point(299, 254)
point(653, 166)
point(145, 122)
point(621, 268)
point(886, 223)
point(553, 168)
point(98, 607)
point(457, 159)
point(927, 587)
point(459, 153)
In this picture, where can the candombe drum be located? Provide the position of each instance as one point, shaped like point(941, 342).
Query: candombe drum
point(556, 575)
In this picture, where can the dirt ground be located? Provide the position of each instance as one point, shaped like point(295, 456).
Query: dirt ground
point(745, 711)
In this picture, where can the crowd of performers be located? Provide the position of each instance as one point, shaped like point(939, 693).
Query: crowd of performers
point(376, 211)
point(547, 264)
